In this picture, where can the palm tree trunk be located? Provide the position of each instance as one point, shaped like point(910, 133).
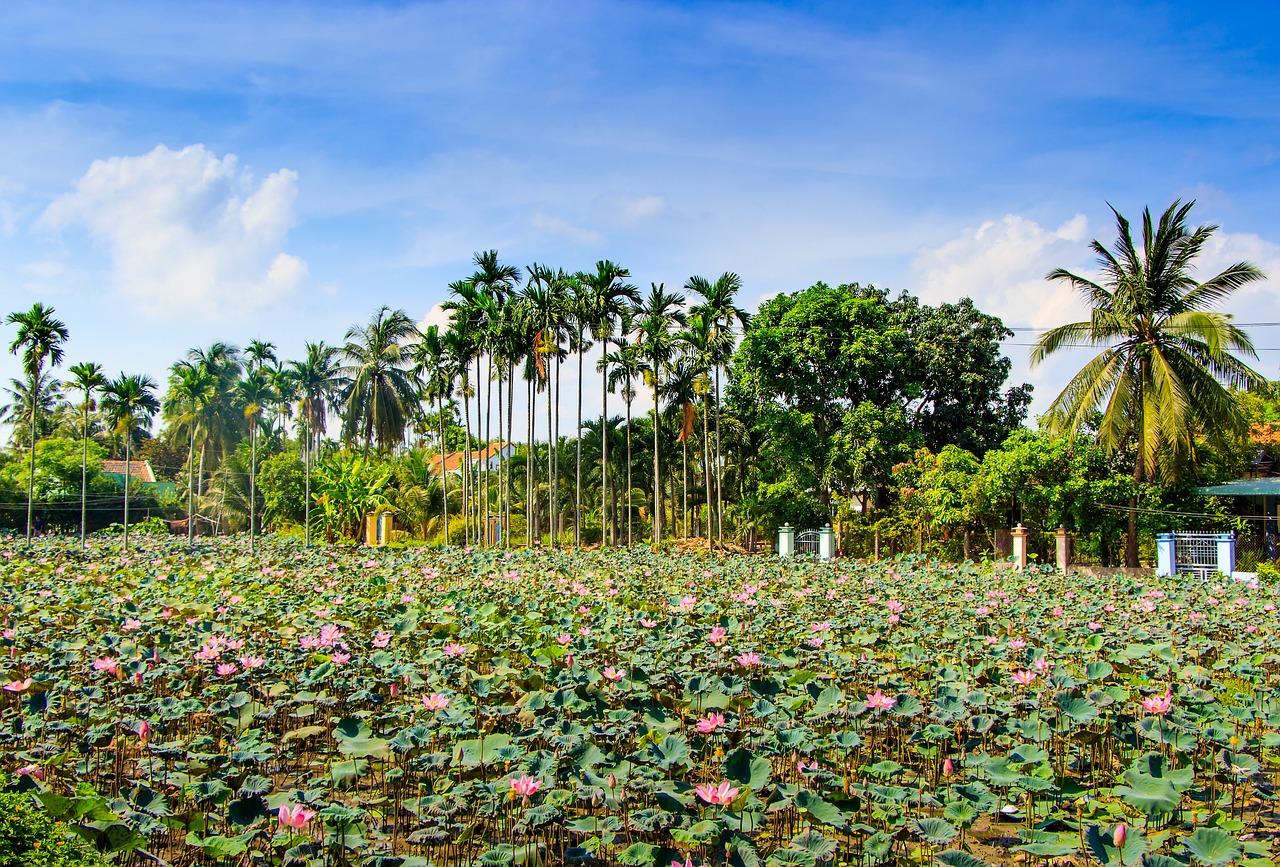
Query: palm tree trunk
point(84, 469)
point(604, 446)
point(127, 473)
point(31, 478)
point(684, 502)
point(577, 492)
point(466, 463)
point(485, 475)
point(1131, 540)
point(306, 496)
point(191, 468)
point(629, 472)
point(553, 456)
point(511, 409)
point(657, 468)
point(706, 473)
point(444, 475)
point(501, 464)
point(530, 504)
point(719, 468)
point(253, 486)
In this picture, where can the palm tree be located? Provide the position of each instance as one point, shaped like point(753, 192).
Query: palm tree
point(379, 396)
point(86, 378)
point(659, 314)
point(39, 339)
point(259, 354)
point(697, 339)
point(129, 403)
point(625, 368)
point(1167, 366)
point(254, 390)
point(436, 371)
point(220, 426)
point(608, 299)
point(472, 321)
point(317, 380)
point(547, 294)
point(191, 389)
point(722, 312)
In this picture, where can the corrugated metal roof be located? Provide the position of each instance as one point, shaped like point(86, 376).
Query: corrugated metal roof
point(1268, 486)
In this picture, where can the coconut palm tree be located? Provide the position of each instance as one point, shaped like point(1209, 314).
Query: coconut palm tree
point(40, 337)
point(379, 396)
point(1167, 365)
point(317, 380)
point(659, 315)
point(129, 402)
point(86, 378)
point(222, 421)
point(191, 389)
point(720, 306)
point(437, 372)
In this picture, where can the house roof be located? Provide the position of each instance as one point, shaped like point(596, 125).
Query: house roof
point(1267, 486)
point(453, 460)
point(140, 470)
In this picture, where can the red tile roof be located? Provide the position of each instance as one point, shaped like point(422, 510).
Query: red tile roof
point(140, 470)
point(453, 460)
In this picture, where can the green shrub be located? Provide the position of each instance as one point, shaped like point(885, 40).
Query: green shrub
point(29, 838)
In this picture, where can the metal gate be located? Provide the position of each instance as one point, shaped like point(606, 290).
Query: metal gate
point(807, 542)
point(1196, 553)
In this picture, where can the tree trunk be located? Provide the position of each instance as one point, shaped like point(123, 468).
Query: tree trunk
point(253, 485)
point(84, 469)
point(706, 473)
point(657, 469)
point(1131, 540)
point(191, 508)
point(577, 492)
point(127, 473)
point(719, 470)
point(444, 475)
point(466, 463)
point(31, 478)
point(629, 470)
point(605, 538)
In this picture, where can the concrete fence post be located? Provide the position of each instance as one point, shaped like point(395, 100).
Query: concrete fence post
point(1020, 548)
point(1166, 554)
point(826, 543)
point(1063, 549)
point(1227, 554)
point(786, 541)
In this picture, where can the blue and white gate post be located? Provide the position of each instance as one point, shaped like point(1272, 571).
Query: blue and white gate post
point(1227, 554)
point(1166, 554)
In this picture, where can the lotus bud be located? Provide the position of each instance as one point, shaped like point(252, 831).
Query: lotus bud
point(948, 767)
point(1118, 837)
point(613, 782)
point(144, 732)
point(394, 689)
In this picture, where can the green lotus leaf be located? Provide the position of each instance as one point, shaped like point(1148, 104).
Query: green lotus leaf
point(1213, 847)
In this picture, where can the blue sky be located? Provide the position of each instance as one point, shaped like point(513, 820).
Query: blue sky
point(171, 174)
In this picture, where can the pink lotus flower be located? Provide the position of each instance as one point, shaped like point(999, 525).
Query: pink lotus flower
point(1042, 664)
point(816, 641)
point(381, 639)
point(251, 662)
point(1017, 643)
point(31, 771)
point(131, 624)
point(105, 663)
point(294, 817)
point(948, 767)
point(1118, 836)
point(821, 626)
point(1024, 678)
point(647, 623)
point(309, 642)
point(9, 633)
point(747, 659)
point(718, 795)
point(452, 649)
point(144, 732)
point(226, 668)
point(435, 701)
point(339, 658)
point(18, 685)
point(879, 701)
point(563, 638)
point(710, 722)
point(688, 602)
point(688, 862)
point(717, 635)
point(611, 673)
point(525, 786)
point(584, 631)
point(894, 618)
point(1159, 704)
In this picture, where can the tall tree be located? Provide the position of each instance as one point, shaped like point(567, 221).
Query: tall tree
point(437, 372)
point(40, 338)
point(191, 389)
point(86, 378)
point(609, 299)
point(625, 366)
point(254, 391)
point(317, 380)
point(379, 397)
point(719, 305)
point(129, 402)
point(659, 314)
point(1167, 365)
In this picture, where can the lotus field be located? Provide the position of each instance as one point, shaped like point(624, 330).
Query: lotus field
point(408, 707)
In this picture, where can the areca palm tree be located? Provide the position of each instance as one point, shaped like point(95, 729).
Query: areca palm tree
point(254, 391)
point(719, 305)
point(317, 380)
point(191, 389)
point(129, 403)
point(437, 372)
point(40, 337)
point(659, 314)
point(609, 299)
point(547, 294)
point(697, 340)
point(379, 396)
point(1167, 365)
point(86, 378)
point(625, 367)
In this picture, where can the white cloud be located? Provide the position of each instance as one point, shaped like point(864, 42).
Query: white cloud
point(565, 229)
point(188, 232)
point(629, 210)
